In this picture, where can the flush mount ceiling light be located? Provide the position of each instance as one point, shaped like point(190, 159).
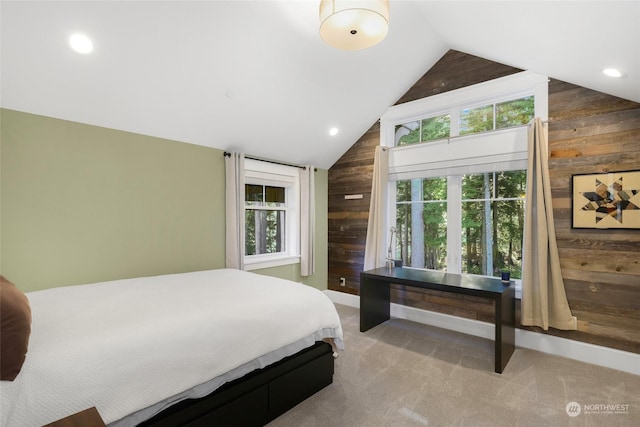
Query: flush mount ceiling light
point(80, 43)
point(353, 24)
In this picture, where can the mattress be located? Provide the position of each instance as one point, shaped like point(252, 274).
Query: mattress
point(133, 347)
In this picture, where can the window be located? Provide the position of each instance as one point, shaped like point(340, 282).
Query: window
point(475, 120)
point(515, 112)
point(424, 130)
point(502, 115)
point(421, 223)
point(492, 207)
point(457, 173)
point(471, 120)
point(265, 219)
point(271, 214)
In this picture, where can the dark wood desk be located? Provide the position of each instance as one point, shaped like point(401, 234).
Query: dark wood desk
point(375, 300)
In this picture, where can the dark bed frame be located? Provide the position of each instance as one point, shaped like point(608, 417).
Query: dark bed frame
point(259, 397)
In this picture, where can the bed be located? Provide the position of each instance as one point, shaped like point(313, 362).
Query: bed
point(200, 347)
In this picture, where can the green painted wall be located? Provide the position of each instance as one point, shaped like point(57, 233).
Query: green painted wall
point(82, 204)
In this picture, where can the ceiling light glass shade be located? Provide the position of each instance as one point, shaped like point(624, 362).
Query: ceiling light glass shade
point(353, 24)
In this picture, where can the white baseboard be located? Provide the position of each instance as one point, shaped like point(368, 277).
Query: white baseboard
point(584, 352)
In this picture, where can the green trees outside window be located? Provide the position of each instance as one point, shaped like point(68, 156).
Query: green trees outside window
point(424, 130)
point(501, 115)
point(492, 209)
point(492, 222)
point(421, 222)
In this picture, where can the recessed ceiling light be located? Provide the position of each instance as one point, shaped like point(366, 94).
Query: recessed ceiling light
point(612, 72)
point(81, 43)
point(333, 131)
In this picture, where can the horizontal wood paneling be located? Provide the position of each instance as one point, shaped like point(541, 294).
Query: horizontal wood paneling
point(455, 70)
point(589, 132)
point(348, 217)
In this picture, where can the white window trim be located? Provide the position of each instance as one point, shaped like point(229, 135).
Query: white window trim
point(509, 152)
point(257, 262)
point(265, 173)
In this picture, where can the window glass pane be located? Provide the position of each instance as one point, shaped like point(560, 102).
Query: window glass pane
point(253, 193)
point(264, 231)
point(428, 129)
point(474, 120)
point(275, 196)
point(435, 236)
point(477, 186)
point(514, 113)
point(492, 223)
point(436, 128)
point(473, 261)
point(421, 223)
point(511, 184)
point(509, 220)
point(408, 133)
point(403, 191)
point(434, 189)
point(403, 233)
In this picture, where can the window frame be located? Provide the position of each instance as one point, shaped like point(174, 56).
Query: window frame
point(510, 152)
point(264, 173)
point(494, 91)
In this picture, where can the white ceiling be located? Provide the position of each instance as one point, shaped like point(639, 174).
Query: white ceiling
point(254, 76)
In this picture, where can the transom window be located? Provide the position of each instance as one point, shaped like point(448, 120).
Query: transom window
point(499, 115)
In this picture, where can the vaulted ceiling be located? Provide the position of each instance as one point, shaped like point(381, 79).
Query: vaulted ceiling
point(255, 76)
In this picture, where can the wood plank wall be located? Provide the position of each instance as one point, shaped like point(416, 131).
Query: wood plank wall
point(589, 132)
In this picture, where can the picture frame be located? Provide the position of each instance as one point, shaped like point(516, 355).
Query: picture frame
point(609, 200)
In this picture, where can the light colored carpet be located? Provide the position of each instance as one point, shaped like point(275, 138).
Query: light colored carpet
point(402, 373)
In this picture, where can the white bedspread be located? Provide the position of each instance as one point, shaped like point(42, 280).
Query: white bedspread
point(123, 346)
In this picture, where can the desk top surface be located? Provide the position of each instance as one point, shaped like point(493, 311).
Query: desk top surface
point(432, 279)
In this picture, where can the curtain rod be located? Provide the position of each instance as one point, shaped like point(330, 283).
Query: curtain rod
point(275, 162)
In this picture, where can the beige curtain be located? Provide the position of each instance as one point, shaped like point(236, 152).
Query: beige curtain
point(544, 301)
point(234, 199)
point(307, 221)
point(375, 251)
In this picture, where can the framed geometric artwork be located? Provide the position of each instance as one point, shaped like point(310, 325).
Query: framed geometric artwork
point(606, 200)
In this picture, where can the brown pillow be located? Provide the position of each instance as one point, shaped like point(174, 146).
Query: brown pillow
point(15, 328)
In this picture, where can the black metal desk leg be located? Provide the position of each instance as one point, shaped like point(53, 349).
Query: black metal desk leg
point(375, 296)
point(505, 329)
